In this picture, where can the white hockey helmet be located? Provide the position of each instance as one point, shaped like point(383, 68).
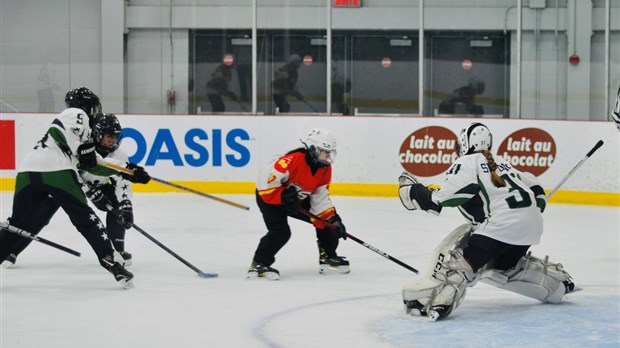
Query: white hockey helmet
point(319, 140)
point(474, 138)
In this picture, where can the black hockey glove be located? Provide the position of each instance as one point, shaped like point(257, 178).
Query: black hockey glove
point(99, 199)
point(290, 200)
point(140, 176)
point(338, 227)
point(422, 195)
point(125, 214)
point(87, 156)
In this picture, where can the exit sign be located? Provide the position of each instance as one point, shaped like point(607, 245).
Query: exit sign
point(347, 3)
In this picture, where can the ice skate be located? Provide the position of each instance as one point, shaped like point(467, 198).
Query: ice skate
point(127, 258)
point(419, 311)
point(9, 262)
point(336, 264)
point(122, 276)
point(258, 270)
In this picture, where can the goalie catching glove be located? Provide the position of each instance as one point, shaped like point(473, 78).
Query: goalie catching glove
point(415, 196)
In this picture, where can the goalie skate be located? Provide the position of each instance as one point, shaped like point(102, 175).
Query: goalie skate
point(418, 311)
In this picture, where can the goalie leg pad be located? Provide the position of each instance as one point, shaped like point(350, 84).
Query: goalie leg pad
point(533, 277)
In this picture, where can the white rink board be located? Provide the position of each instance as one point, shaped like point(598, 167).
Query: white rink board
point(368, 147)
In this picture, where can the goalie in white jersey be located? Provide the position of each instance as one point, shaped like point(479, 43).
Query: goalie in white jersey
point(503, 206)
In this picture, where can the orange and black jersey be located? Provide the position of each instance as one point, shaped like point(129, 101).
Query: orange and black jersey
point(292, 169)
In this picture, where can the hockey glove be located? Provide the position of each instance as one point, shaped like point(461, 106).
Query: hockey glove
point(413, 195)
point(139, 176)
point(290, 200)
point(99, 199)
point(125, 214)
point(87, 156)
point(422, 196)
point(338, 227)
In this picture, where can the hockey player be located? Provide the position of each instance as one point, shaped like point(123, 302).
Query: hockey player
point(503, 206)
point(110, 194)
point(300, 178)
point(113, 194)
point(615, 113)
point(47, 178)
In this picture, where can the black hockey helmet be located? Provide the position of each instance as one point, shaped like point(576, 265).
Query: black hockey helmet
point(106, 124)
point(83, 98)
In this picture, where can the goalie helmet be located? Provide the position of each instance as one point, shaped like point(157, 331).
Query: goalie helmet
point(83, 98)
point(319, 140)
point(475, 138)
point(107, 124)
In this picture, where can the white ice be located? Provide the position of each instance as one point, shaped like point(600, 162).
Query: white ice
point(52, 299)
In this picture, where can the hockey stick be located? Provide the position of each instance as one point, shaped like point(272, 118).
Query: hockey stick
point(161, 181)
point(221, 200)
point(596, 146)
point(26, 234)
point(361, 242)
point(200, 273)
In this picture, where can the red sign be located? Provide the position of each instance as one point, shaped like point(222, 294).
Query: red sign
point(467, 64)
point(308, 60)
point(347, 3)
point(386, 62)
point(428, 151)
point(229, 59)
point(529, 150)
point(7, 140)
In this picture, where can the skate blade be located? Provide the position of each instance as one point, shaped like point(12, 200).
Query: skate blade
point(126, 284)
point(266, 276)
point(327, 269)
point(127, 263)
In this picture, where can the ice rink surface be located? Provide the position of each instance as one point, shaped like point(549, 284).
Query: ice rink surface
point(52, 299)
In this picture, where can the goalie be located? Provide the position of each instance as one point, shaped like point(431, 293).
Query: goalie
point(503, 206)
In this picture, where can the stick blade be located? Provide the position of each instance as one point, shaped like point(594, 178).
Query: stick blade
point(208, 275)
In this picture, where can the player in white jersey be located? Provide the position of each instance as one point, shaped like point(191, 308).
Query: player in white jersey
point(503, 206)
point(48, 178)
point(113, 194)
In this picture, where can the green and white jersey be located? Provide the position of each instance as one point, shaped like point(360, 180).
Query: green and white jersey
point(57, 149)
point(122, 186)
point(510, 214)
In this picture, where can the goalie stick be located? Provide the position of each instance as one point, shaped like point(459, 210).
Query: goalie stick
point(590, 153)
point(161, 181)
point(25, 234)
point(361, 242)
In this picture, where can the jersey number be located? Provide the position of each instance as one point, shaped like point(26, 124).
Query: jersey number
point(520, 198)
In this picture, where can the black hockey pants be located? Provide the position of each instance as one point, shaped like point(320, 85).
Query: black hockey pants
point(279, 232)
point(116, 231)
point(36, 194)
